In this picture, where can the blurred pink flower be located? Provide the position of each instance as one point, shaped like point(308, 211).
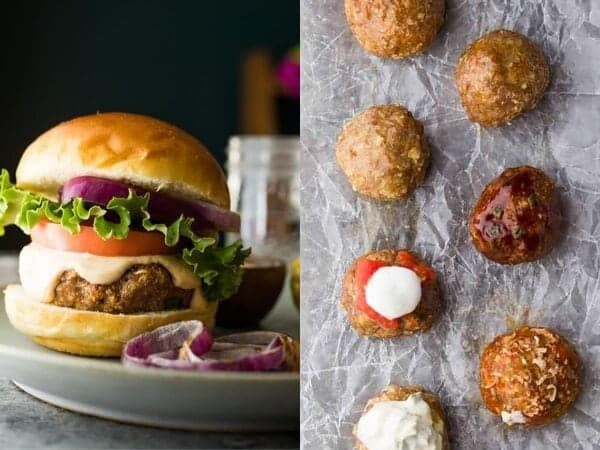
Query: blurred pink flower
point(288, 74)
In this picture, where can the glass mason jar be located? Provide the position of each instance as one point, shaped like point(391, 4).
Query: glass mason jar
point(263, 179)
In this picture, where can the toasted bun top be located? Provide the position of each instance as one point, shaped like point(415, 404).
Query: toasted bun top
point(127, 147)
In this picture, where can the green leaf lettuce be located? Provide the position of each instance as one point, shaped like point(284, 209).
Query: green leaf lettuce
point(219, 269)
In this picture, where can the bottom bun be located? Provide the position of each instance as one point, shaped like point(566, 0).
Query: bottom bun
point(88, 333)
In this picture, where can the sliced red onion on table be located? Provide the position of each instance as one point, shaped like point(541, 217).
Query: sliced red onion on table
point(164, 342)
point(290, 346)
point(163, 208)
point(169, 347)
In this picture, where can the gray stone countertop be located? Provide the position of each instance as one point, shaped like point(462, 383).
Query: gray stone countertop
point(27, 423)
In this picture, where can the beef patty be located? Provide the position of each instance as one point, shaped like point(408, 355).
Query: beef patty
point(142, 288)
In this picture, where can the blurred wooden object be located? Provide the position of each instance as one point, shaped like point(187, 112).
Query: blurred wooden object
point(258, 94)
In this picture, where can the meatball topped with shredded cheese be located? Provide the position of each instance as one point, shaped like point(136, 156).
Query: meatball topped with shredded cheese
point(531, 376)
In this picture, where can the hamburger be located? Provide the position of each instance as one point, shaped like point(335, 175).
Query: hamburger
point(124, 212)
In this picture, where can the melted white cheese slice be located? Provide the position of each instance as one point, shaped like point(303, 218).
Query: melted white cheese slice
point(393, 291)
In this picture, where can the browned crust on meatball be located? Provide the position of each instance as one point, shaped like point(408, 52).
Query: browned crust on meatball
point(421, 319)
point(500, 76)
point(395, 392)
point(516, 217)
point(142, 288)
point(383, 152)
point(392, 29)
point(532, 370)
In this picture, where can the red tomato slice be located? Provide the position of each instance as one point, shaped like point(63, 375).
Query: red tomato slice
point(365, 268)
point(408, 260)
point(137, 243)
point(383, 322)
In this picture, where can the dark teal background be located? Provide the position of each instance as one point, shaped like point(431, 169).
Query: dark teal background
point(176, 60)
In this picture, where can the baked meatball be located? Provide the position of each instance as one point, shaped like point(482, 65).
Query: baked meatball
point(367, 322)
point(500, 76)
point(383, 152)
point(516, 217)
point(395, 29)
point(438, 435)
point(530, 376)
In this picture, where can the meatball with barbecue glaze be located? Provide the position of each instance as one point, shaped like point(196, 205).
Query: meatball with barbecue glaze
point(531, 376)
point(391, 293)
point(500, 76)
point(394, 29)
point(400, 417)
point(383, 152)
point(516, 217)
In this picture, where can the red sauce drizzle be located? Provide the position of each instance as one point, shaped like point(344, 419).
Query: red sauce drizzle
point(513, 216)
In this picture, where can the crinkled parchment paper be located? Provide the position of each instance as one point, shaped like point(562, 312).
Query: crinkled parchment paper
point(341, 370)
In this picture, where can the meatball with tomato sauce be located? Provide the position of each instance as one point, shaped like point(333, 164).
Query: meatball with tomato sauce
point(390, 293)
point(531, 376)
point(516, 217)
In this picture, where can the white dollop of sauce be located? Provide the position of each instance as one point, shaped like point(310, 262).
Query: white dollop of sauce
point(404, 425)
point(513, 417)
point(393, 291)
point(40, 269)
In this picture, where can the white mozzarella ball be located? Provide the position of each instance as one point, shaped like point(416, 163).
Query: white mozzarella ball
point(393, 291)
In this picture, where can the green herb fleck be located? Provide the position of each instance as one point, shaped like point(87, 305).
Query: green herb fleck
point(494, 230)
point(497, 212)
point(533, 200)
point(518, 232)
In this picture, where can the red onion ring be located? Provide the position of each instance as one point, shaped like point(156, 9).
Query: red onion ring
point(162, 207)
point(162, 343)
point(185, 346)
point(291, 348)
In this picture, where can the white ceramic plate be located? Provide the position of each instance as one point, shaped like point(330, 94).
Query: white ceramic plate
point(195, 401)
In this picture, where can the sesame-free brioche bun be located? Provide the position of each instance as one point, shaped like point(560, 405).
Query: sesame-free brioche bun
point(127, 147)
point(89, 333)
